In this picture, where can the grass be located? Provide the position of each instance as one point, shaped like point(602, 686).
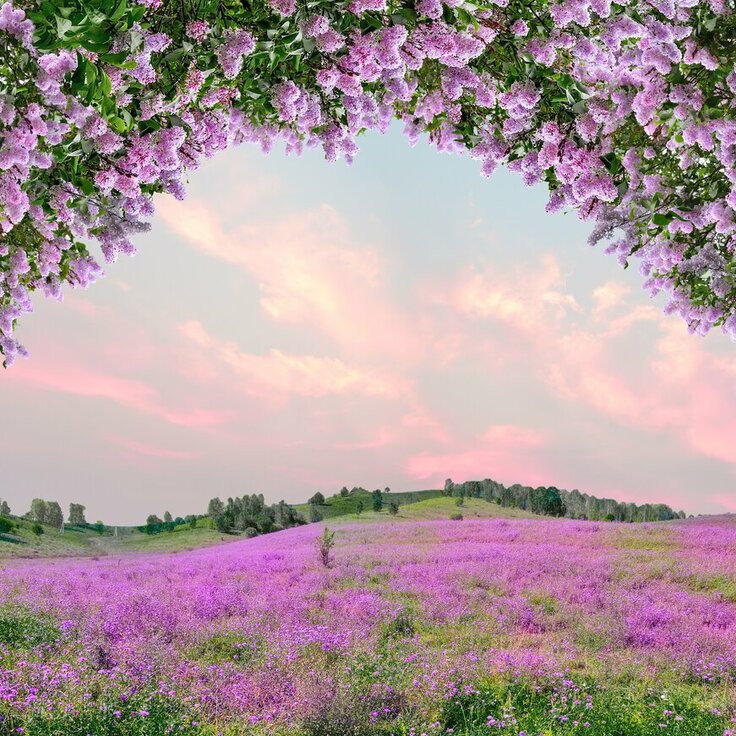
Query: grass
point(22, 542)
point(562, 708)
point(87, 542)
point(21, 628)
point(473, 508)
point(338, 505)
point(434, 508)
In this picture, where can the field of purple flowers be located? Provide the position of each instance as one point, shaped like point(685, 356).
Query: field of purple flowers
point(520, 627)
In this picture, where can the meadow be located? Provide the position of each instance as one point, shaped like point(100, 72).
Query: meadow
point(417, 626)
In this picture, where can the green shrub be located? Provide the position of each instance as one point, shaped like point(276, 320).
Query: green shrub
point(227, 646)
point(400, 627)
point(24, 629)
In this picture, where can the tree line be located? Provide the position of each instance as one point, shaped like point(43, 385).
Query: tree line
point(47, 513)
point(156, 525)
point(252, 515)
point(552, 501)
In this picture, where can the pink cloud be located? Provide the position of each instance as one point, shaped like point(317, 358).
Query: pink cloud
point(131, 394)
point(141, 449)
point(527, 299)
point(679, 387)
point(726, 501)
point(508, 435)
point(501, 451)
point(474, 465)
point(608, 296)
point(277, 373)
point(383, 437)
point(309, 271)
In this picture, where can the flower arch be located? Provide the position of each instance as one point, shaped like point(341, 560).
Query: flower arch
point(626, 109)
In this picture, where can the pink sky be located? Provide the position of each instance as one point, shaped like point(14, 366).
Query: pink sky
point(295, 326)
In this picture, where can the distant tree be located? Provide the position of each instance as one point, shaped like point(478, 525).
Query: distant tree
point(153, 524)
point(37, 528)
point(54, 515)
point(387, 490)
point(216, 512)
point(553, 504)
point(325, 543)
point(38, 510)
point(449, 487)
point(265, 521)
point(99, 527)
point(377, 499)
point(359, 506)
point(76, 514)
point(609, 517)
point(193, 522)
point(318, 499)
point(4, 508)
point(344, 491)
point(314, 513)
point(393, 508)
point(169, 523)
point(5, 525)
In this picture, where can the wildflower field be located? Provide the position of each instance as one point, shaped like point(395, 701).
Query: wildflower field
point(508, 626)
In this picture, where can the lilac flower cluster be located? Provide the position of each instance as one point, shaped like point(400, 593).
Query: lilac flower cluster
point(624, 109)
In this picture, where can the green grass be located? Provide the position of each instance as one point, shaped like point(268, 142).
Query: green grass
point(86, 542)
point(338, 505)
point(23, 629)
point(433, 508)
point(105, 714)
point(179, 540)
point(725, 585)
point(22, 542)
point(473, 508)
point(556, 708)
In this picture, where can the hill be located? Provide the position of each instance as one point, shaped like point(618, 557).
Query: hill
point(346, 505)
point(22, 542)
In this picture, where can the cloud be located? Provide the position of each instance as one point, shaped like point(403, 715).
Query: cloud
point(135, 395)
point(526, 299)
point(608, 296)
point(502, 451)
point(508, 435)
point(676, 387)
point(134, 448)
point(309, 271)
point(277, 373)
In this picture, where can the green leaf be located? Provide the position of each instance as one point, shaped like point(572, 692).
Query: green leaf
point(114, 59)
point(63, 26)
point(119, 11)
